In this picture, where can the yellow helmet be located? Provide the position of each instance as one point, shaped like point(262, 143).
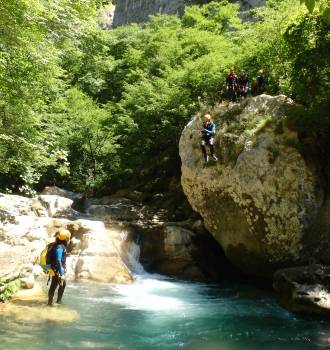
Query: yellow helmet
point(63, 235)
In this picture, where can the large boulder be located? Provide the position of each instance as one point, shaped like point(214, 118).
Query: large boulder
point(304, 289)
point(96, 253)
point(57, 191)
point(262, 200)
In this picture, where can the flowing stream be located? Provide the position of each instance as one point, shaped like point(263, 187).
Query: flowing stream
point(160, 313)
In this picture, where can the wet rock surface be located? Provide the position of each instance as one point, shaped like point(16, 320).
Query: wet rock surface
point(180, 252)
point(172, 238)
point(304, 289)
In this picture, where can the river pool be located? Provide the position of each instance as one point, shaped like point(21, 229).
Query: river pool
point(159, 313)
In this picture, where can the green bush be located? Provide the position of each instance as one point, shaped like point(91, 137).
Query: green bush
point(89, 108)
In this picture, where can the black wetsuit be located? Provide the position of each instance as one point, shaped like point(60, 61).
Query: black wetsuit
point(261, 84)
point(58, 263)
point(243, 85)
point(232, 83)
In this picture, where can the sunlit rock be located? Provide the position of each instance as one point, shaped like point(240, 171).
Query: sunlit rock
point(28, 305)
point(28, 224)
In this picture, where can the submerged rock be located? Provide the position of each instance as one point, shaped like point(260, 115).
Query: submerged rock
point(28, 306)
point(304, 289)
point(262, 199)
point(27, 282)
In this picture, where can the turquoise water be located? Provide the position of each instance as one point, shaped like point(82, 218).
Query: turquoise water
point(156, 313)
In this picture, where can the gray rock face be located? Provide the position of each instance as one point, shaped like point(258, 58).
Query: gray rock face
point(304, 289)
point(262, 199)
point(136, 11)
point(172, 250)
point(182, 252)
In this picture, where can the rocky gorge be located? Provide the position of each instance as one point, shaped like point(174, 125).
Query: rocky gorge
point(262, 208)
point(107, 239)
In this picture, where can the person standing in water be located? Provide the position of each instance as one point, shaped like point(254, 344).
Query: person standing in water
point(58, 266)
point(208, 133)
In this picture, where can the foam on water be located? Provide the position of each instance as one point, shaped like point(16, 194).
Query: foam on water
point(148, 294)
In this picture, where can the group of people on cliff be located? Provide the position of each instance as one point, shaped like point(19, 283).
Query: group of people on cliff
point(241, 85)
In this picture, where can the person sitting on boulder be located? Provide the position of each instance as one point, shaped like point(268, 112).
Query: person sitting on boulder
point(58, 266)
point(232, 85)
point(208, 133)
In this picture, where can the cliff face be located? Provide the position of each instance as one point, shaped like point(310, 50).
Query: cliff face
point(135, 11)
point(262, 201)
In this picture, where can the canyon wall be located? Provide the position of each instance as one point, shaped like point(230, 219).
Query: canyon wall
point(136, 11)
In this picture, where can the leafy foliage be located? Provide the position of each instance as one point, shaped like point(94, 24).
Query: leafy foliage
point(91, 109)
point(8, 289)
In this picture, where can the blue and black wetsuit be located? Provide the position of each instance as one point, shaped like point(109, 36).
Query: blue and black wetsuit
point(208, 133)
point(58, 266)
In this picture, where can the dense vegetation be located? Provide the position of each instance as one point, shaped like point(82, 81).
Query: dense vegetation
point(92, 109)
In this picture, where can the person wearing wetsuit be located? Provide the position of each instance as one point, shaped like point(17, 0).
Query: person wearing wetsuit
point(243, 84)
point(261, 82)
point(208, 133)
point(58, 266)
point(232, 85)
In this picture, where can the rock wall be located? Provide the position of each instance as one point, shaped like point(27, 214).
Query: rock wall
point(136, 11)
point(262, 200)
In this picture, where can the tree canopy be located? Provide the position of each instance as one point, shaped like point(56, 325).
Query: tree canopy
point(91, 109)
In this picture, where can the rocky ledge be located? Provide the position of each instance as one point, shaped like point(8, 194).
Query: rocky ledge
point(304, 289)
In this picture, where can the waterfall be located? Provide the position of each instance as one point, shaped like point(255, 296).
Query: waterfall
point(131, 255)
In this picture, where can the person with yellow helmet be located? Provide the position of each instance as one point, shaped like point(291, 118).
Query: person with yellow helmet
point(58, 261)
point(208, 133)
point(232, 85)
